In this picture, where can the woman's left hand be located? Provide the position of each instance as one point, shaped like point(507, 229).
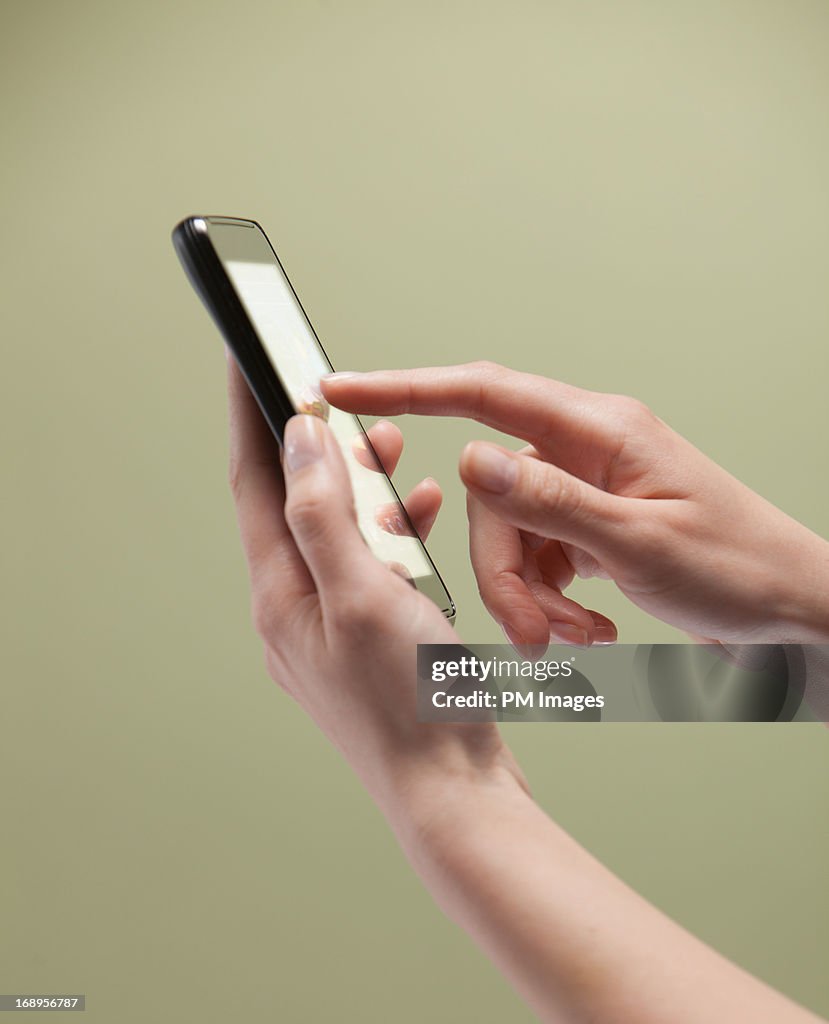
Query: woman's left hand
point(340, 629)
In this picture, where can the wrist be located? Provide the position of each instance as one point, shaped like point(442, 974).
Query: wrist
point(435, 803)
point(802, 604)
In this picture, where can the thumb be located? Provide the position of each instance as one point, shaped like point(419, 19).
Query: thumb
point(319, 508)
point(543, 499)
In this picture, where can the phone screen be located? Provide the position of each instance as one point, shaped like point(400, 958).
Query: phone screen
point(299, 362)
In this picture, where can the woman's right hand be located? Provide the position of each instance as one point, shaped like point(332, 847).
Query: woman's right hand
point(606, 488)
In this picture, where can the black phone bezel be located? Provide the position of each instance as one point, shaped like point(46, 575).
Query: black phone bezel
point(207, 275)
point(211, 283)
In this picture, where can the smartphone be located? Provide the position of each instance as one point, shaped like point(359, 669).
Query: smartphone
point(240, 279)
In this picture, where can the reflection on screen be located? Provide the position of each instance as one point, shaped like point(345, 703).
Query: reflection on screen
point(299, 363)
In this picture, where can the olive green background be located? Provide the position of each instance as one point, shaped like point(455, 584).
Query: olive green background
point(628, 196)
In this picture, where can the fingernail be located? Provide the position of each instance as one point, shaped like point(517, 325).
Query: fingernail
point(340, 376)
point(303, 441)
point(491, 468)
point(604, 634)
point(567, 633)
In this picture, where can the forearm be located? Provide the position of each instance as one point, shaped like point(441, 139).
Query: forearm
point(577, 943)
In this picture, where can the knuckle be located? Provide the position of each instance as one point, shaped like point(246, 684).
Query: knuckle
point(488, 369)
point(632, 410)
point(501, 584)
point(554, 491)
point(653, 537)
point(486, 376)
point(307, 515)
point(357, 617)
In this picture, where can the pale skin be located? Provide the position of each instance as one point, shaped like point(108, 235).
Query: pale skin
point(605, 487)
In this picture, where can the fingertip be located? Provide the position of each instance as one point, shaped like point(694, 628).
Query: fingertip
point(303, 442)
point(488, 467)
point(386, 439)
point(335, 379)
point(467, 459)
point(604, 631)
point(432, 485)
point(569, 633)
point(423, 505)
point(337, 387)
point(390, 433)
